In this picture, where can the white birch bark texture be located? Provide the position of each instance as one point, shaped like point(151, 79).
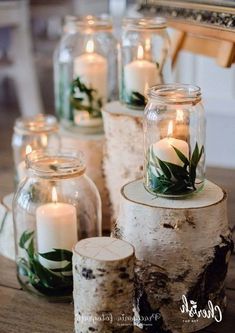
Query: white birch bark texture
point(182, 248)
point(103, 275)
point(124, 155)
point(92, 147)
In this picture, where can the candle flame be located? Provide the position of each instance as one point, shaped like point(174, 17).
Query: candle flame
point(54, 195)
point(179, 116)
point(140, 52)
point(28, 149)
point(170, 129)
point(90, 46)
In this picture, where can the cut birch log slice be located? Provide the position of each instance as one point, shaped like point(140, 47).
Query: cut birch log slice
point(182, 249)
point(124, 155)
point(92, 147)
point(103, 275)
point(7, 243)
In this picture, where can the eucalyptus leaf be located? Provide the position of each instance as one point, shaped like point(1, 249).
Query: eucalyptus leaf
point(24, 238)
point(181, 156)
point(57, 255)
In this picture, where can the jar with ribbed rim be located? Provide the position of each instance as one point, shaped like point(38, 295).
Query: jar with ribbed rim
point(34, 133)
point(174, 139)
point(85, 71)
point(54, 207)
point(144, 59)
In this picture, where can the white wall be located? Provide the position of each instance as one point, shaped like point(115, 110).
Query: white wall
point(218, 88)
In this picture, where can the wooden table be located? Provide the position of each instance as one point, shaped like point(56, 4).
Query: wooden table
point(23, 313)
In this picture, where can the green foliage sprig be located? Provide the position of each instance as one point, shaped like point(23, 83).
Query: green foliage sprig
point(50, 282)
point(137, 99)
point(93, 104)
point(173, 179)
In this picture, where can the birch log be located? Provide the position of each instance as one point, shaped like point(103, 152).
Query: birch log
point(92, 147)
point(182, 249)
point(103, 273)
point(124, 155)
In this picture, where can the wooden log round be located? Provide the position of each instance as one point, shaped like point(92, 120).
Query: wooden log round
point(103, 274)
point(92, 147)
point(124, 155)
point(182, 249)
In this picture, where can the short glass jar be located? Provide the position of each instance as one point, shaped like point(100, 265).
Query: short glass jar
point(54, 207)
point(37, 133)
point(174, 138)
point(85, 71)
point(144, 59)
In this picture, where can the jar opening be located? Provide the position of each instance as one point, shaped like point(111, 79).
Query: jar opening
point(89, 23)
point(175, 93)
point(36, 125)
point(56, 164)
point(147, 23)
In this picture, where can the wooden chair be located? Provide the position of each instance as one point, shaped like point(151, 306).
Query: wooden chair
point(15, 15)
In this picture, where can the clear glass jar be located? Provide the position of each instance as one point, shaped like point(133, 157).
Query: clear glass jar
point(174, 136)
point(37, 133)
point(85, 71)
point(54, 207)
point(144, 59)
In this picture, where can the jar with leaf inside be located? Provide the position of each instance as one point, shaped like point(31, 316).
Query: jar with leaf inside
point(174, 139)
point(55, 206)
point(144, 59)
point(85, 70)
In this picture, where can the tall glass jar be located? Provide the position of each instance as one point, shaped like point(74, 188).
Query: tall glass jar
point(85, 71)
point(144, 59)
point(174, 135)
point(40, 132)
point(55, 206)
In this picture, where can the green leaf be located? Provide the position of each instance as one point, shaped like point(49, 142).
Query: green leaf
point(137, 99)
point(46, 277)
point(164, 168)
point(195, 156)
point(30, 249)
point(24, 238)
point(177, 171)
point(57, 255)
point(181, 156)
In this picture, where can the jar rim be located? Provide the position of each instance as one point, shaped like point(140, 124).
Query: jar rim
point(59, 164)
point(36, 125)
point(145, 23)
point(176, 93)
point(89, 23)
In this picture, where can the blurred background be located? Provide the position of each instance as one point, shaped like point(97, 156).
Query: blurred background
point(26, 73)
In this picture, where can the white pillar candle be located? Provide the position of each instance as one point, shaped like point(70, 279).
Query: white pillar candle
point(92, 69)
point(163, 149)
point(140, 74)
point(56, 227)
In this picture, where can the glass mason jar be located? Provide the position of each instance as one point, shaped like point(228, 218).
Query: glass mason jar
point(37, 133)
point(85, 71)
point(54, 207)
point(174, 136)
point(144, 59)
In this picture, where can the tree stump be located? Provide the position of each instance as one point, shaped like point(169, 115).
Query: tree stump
point(182, 249)
point(103, 273)
point(92, 146)
point(124, 155)
point(7, 242)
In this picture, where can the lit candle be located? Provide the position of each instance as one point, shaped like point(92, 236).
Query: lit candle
point(164, 150)
point(140, 74)
point(21, 168)
point(56, 227)
point(92, 69)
